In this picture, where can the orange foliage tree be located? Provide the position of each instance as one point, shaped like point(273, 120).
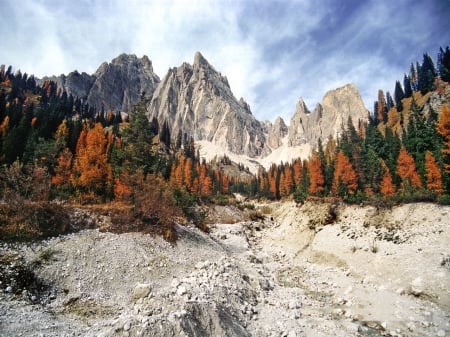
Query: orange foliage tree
point(63, 169)
point(406, 169)
point(92, 172)
point(433, 174)
point(344, 175)
point(443, 127)
point(316, 177)
point(387, 187)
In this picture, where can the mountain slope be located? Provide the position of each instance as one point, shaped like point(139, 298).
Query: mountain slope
point(197, 100)
point(117, 85)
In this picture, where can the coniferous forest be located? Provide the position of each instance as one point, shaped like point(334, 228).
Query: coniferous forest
point(54, 146)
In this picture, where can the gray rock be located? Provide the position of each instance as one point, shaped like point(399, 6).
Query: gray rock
point(141, 291)
point(329, 118)
point(198, 100)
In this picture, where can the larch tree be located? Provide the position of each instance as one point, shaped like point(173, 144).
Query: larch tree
point(444, 130)
point(316, 177)
point(92, 172)
point(345, 178)
point(433, 174)
point(63, 170)
point(406, 169)
point(387, 187)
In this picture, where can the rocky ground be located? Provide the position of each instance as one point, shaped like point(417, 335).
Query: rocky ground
point(311, 270)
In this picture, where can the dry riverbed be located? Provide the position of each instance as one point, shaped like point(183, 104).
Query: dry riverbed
point(311, 270)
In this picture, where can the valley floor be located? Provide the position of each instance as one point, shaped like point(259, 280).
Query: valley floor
point(310, 270)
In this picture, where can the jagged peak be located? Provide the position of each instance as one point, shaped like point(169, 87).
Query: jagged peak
point(301, 106)
point(199, 59)
point(279, 121)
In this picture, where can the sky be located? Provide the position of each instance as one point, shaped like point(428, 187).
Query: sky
point(273, 52)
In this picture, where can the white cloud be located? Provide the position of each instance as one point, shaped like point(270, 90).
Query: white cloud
point(272, 52)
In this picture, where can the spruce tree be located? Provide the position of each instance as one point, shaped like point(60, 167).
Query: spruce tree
point(426, 75)
point(444, 64)
point(399, 95)
point(407, 86)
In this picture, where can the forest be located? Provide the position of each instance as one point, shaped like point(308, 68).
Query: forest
point(54, 146)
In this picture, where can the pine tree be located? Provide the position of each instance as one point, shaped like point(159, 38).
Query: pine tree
point(444, 64)
point(426, 75)
point(407, 86)
point(399, 95)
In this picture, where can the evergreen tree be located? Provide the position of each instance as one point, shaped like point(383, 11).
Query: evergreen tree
point(137, 141)
point(407, 86)
point(426, 75)
point(443, 64)
point(389, 101)
point(399, 95)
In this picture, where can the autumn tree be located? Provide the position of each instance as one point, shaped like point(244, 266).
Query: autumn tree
point(444, 130)
point(63, 170)
point(433, 174)
point(316, 177)
point(345, 178)
point(387, 187)
point(92, 173)
point(406, 169)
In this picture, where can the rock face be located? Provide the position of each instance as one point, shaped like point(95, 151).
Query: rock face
point(117, 85)
point(329, 118)
point(198, 100)
point(276, 132)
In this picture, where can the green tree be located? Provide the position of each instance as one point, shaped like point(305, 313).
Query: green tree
point(426, 75)
point(399, 95)
point(444, 64)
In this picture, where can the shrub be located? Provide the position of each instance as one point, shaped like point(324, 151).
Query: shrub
point(444, 199)
point(33, 220)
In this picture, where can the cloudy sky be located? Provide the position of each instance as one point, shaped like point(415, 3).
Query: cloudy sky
point(272, 52)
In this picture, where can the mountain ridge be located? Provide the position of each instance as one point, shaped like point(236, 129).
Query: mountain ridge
point(196, 100)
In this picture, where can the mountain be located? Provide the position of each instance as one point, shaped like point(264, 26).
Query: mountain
point(117, 85)
point(198, 100)
point(329, 118)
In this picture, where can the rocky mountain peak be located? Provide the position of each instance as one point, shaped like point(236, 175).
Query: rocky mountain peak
point(197, 100)
point(327, 119)
point(199, 60)
point(276, 132)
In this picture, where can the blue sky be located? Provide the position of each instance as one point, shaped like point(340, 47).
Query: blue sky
point(272, 52)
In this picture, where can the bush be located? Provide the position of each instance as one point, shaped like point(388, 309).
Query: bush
point(444, 199)
point(33, 220)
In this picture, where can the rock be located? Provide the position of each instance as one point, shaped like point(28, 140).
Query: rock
point(328, 118)
point(197, 100)
point(117, 85)
point(441, 333)
point(181, 290)
point(141, 291)
point(127, 326)
point(417, 286)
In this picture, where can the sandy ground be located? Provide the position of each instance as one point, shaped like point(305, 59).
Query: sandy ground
point(310, 270)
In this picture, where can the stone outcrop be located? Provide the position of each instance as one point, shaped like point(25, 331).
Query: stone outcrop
point(117, 85)
point(329, 118)
point(197, 100)
point(276, 132)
